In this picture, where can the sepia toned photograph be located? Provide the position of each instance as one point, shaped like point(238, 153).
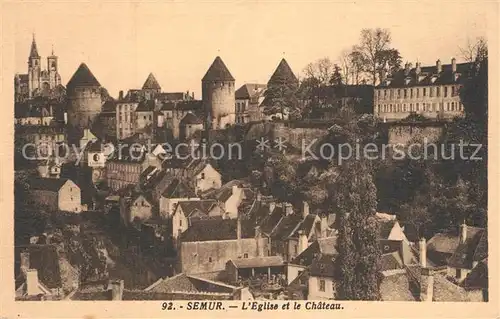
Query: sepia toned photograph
point(250, 151)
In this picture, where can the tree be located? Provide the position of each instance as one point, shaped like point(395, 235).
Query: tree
point(336, 78)
point(388, 61)
point(321, 70)
point(374, 52)
point(281, 98)
point(474, 50)
point(358, 250)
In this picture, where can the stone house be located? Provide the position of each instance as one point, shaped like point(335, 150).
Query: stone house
point(175, 192)
point(189, 125)
point(471, 250)
point(187, 211)
point(141, 208)
point(248, 99)
point(126, 166)
point(207, 245)
point(59, 194)
point(431, 91)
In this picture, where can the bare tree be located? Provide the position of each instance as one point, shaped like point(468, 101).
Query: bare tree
point(373, 41)
point(344, 62)
point(474, 49)
point(321, 71)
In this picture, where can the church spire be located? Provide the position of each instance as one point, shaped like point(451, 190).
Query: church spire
point(34, 50)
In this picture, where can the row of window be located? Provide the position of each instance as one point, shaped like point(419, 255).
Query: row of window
point(417, 107)
point(124, 168)
point(432, 91)
point(240, 106)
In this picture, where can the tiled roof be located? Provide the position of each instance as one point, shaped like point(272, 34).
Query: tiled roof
point(306, 225)
point(178, 189)
point(146, 106)
point(179, 282)
point(269, 261)
point(109, 106)
point(48, 184)
point(215, 229)
point(445, 290)
point(427, 73)
point(249, 90)
point(391, 261)
point(321, 246)
point(283, 75)
point(151, 83)
point(272, 220)
point(467, 252)
point(287, 226)
point(83, 77)
point(323, 266)
point(395, 287)
point(197, 207)
point(194, 105)
point(478, 277)
point(190, 119)
point(218, 72)
point(171, 96)
point(128, 155)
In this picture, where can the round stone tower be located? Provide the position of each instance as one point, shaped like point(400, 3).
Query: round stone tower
point(217, 87)
point(84, 101)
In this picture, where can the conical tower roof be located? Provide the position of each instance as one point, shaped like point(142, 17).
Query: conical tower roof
point(83, 77)
point(34, 50)
point(151, 83)
point(218, 72)
point(283, 74)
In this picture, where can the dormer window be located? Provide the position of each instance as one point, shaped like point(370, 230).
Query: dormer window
point(433, 79)
point(407, 80)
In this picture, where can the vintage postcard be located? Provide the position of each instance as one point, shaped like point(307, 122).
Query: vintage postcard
point(249, 158)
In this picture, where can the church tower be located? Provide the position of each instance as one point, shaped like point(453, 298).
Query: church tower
point(34, 68)
point(52, 68)
point(84, 102)
point(217, 88)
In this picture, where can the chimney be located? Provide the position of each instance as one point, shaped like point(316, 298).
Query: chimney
point(453, 65)
point(120, 95)
point(438, 66)
point(272, 206)
point(323, 225)
point(423, 252)
point(463, 232)
point(258, 241)
point(116, 287)
point(426, 285)
point(32, 282)
point(192, 95)
point(407, 68)
point(303, 242)
point(25, 261)
point(288, 209)
point(417, 68)
point(258, 196)
point(235, 189)
point(305, 209)
point(238, 234)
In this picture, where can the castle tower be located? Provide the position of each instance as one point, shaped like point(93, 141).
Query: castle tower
point(217, 88)
point(52, 67)
point(84, 102)
point(34, 69)
point(151, 87)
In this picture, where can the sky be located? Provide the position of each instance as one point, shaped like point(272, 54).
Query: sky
point(122, 42)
